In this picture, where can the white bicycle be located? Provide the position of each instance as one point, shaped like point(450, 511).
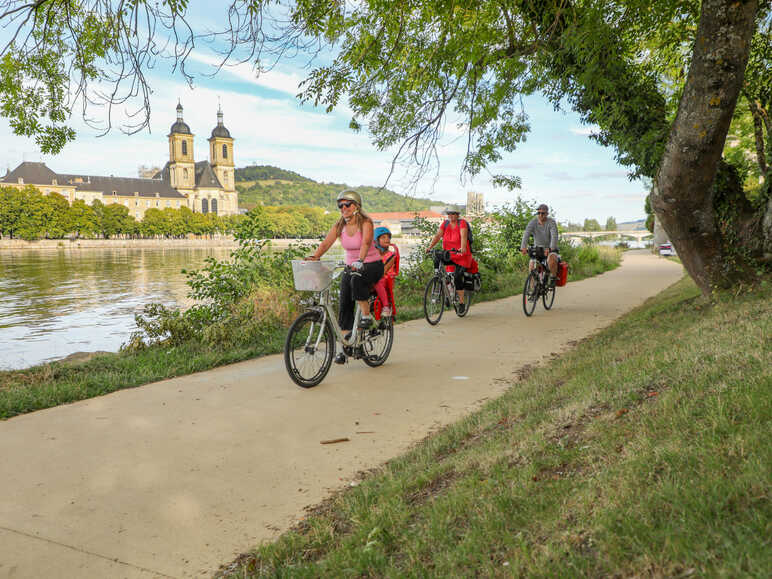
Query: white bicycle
point(310, 345)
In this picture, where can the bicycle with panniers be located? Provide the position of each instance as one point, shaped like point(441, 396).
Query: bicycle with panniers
point(537, 284)
point(310, 345)
point(440, 292)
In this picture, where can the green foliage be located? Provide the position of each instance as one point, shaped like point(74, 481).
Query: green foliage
point(323, 195)
point(28, 214)
point(268, 172)
point(591, 225)
point(238, 300)
point(611, 224)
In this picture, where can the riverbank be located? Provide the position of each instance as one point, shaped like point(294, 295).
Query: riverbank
point(56, 383)
point(225, 241)
point(644, 451)
point(221, 241)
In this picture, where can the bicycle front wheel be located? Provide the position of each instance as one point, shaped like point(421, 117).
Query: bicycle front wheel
point(548, 297)
point(309, 349)
point(377, 343)
point(434, 301)
point(530, 293)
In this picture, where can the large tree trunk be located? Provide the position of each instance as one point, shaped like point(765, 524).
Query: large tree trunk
point(703, 218)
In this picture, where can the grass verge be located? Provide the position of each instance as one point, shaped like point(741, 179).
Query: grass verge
point(56, 383)
point(642, 452)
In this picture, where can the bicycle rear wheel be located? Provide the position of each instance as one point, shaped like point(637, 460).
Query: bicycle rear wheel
point(309, 349)
point(530, 293)
point(377, 343)
point(434, 301)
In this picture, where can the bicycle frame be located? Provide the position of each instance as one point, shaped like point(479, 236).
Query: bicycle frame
point(323, 304)
point(448, 279)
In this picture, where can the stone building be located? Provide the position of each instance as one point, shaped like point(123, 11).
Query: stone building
point(204, 186)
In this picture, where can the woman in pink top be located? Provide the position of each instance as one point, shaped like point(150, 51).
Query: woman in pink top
point(355, 230)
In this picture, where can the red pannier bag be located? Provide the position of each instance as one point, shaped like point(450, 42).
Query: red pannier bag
point(562, 274)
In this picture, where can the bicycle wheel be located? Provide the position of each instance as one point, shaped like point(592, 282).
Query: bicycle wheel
point(377, 343)
point(548, 297)
point(467, 302)
point(309, 349)
point(530, 293)
point(434, 301)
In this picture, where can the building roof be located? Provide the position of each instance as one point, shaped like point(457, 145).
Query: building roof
point(40, 174)
point(125, 186)
point(205, 176)
point(404, 215)
point(33, 174)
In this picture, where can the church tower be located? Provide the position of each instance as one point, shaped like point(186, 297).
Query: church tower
point(221, 155)
point(182, 170)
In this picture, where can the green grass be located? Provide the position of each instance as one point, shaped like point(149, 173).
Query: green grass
point(56, 383)
point(645, 451)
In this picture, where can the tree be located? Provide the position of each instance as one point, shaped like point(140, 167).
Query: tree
point(611, 224)
point(591, 225)
point(154, 223)
point(659, 78)
point(57, 216)
point(84, 220)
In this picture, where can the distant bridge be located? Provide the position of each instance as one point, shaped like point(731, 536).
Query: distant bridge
point(637, 234)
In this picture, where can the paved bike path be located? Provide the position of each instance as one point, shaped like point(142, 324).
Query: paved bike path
point(177, 477)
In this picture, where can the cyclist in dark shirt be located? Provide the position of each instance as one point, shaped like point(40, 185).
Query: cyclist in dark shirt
point(545, 235)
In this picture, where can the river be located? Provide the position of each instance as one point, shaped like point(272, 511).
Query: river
point(56, 302)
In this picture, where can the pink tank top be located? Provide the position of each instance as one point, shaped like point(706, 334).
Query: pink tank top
point(353, 243)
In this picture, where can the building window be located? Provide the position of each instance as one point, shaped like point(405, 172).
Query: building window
point(147, 203)
point(178, 204)
point(184, 147)
point(156, 203)
point(225, 151)
point(136, 214)
point(185, 174)
point(214, 206)
point(168, 203)
point(204, 206)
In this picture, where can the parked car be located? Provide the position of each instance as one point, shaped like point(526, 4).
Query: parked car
point(666, 249)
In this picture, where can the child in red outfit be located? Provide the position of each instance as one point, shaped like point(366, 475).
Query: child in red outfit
point(390, 257)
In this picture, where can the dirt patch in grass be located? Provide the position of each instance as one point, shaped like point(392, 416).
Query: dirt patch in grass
point(434, 488)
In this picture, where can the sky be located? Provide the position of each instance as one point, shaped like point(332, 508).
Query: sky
point(558, 163)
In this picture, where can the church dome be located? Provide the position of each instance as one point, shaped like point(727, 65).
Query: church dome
point(180, 126)
point(220, 130)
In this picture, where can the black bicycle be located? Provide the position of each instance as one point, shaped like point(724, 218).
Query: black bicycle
point(441, 293)
point(537, 283)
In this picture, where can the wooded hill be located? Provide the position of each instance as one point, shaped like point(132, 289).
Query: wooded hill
point(267, 185)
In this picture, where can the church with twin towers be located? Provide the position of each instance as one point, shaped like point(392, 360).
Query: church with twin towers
point(202, 186)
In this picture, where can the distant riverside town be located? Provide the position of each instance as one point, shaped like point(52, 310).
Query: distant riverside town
point(203, 186)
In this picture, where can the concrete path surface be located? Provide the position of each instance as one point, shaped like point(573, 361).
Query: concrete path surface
point(177, 477)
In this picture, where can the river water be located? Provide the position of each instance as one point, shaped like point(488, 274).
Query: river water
point(57, 302)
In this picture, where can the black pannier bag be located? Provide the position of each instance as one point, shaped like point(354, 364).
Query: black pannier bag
point(472, 281)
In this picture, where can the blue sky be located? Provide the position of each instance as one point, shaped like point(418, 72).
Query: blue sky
point(559, 164)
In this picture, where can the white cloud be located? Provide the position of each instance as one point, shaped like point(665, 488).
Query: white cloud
point(275, 79)
point(585, 131)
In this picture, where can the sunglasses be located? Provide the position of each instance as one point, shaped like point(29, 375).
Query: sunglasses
point(345, 204)
point(542, 212)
